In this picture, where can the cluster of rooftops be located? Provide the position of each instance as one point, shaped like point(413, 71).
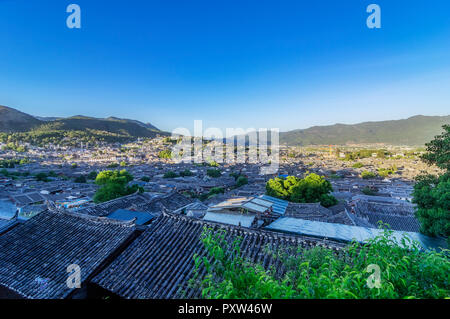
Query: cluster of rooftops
point(142, 245)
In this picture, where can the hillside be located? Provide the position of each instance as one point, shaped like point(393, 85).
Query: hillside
point(79, 128)
point(12, 120)
point(416, 130)
point(110, 125)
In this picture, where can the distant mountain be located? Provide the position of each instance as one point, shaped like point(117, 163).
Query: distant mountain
point(111, 125)
point(416, 130)
point(146, 125)
point(12, 120)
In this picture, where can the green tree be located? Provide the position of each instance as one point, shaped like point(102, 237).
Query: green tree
point(80, 179)
point(432, 193)
point(368, 175)
point(438, 150)
point(92, 175)
point(113, 185)
point(42, 177)
point(165, 154)
point(186, 172)
point(311, 189)
point(170, 174)
point(213, 173)
point(117, 177)
point(241, 181)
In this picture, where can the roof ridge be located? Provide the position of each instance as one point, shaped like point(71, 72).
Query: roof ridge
point(103, 220)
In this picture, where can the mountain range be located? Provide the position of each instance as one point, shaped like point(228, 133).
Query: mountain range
point(416, 130)
point(13, 121)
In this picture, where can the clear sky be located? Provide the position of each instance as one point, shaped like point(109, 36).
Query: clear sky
point(274, 64)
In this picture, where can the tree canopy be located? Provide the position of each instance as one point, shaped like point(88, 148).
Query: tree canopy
point(432, 193)
point(114, 184)
point(438, 150)
point(311, 189)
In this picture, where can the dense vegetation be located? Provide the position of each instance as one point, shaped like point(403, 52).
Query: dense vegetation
point(213, 173)
point(406, 271)
point(114, 184)
point(170, 174)
point(432, 193)
point(311, 189)
point(165, 154)
point(368, 175)
point(352, 156)
point(11, 163)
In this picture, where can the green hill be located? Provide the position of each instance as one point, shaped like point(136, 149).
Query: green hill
point(416, 130)
point(17, 126)
point(12, 120)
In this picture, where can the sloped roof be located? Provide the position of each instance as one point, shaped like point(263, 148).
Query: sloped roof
point(170, 202)
point(344, 232)
point(159, 263)
point(141, 218)
point(34, 256)
point(230, 219)
point(125, 202)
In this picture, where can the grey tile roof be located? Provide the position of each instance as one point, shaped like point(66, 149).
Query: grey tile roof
point(159, 263)
point(34, 256)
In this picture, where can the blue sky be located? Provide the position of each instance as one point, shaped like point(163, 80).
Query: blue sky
point(261, 64)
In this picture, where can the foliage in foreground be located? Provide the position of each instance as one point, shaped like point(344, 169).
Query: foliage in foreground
point(321, 273)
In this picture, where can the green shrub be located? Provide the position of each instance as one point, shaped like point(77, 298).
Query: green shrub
point(165, 154)
point(213, 173)
point(327, 200)
point(186, 173)
point(92, 175)
point(80, 179)
point(213, 164)
point(42, 177)
point(358, 165)
point(145, 179)
point(170, 174)
point(368, 175)
point(368, 191)
point(242, 180)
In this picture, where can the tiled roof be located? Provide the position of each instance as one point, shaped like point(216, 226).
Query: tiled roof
point(170, 202)
point(111, 206)
point(34, 256)
point(159, 263)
